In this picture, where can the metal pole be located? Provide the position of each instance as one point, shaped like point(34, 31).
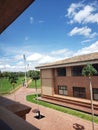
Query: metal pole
point(36, 91)
point(92, 107)
point(25, 70)
point(37, 95)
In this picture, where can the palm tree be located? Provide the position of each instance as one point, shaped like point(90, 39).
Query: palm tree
point(89, 71)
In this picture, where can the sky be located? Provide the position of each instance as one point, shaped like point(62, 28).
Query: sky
point(48, 31)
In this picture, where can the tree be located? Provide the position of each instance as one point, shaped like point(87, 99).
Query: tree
point(6, 74)
point(1, 75)
point(13, 77)
point(89, 71)
point(13, 80)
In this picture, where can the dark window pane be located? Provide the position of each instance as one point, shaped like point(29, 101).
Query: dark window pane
point(76, 71)
point(61, 71)
point(96, 67)
point(79, 92)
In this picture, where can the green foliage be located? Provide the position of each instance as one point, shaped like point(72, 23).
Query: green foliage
point(6, 74)
point(13, 78)
point(32, 98)
point(89, 70)
point(34, 74)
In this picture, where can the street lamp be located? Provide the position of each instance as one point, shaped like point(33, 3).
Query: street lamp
point(38, 115)
point(25, 70)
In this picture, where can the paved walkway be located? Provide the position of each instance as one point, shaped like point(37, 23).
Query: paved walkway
point(54, 120)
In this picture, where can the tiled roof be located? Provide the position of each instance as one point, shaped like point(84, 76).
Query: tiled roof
point(81, 59)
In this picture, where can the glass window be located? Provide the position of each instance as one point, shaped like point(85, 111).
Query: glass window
point(96, 67)
point(95, 93)
point(62, 90)
point(76, 71)
point(61, 71)
point(79, 92)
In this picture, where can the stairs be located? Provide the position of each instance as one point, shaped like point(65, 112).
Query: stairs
point(83, 105)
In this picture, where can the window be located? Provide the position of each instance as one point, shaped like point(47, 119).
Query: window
point(76, 70)
point(96, 67)
point(95, 93)
point(62, 90)
point(61, 71)
point(79, 92)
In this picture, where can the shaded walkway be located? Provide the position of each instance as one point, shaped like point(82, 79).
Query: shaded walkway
point(54, 120)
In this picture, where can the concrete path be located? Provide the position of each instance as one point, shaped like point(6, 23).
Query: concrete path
point(54, 120)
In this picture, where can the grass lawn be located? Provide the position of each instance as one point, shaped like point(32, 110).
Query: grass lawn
point(32, 98)
point(32, 84)
point(6, 86)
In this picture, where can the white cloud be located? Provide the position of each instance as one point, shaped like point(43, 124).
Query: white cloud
point(72, 9)
point(86, 41)
point(62, 53)
point(18, 57)
point(31, 20)
point(57, 52)
point(46, 59)
point(20, 63)
point(34, 57)
point(82, 13)
point(92, 48)
point(84, 31)
point(41, 21)
point(1, 66)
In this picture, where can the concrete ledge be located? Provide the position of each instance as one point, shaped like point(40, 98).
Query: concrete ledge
point(83, 105)
point(14, 122)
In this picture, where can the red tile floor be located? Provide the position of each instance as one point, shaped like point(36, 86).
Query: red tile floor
point(54, 120)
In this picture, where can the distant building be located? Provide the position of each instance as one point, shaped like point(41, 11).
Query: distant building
point(63, 79)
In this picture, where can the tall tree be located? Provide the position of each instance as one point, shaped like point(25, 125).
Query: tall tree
point(89, 71)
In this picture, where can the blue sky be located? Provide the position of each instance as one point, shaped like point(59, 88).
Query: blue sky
point(50, 30)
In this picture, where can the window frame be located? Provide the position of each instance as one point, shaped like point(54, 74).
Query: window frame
point(80, 92)
point(95, 92)
point(63, 90)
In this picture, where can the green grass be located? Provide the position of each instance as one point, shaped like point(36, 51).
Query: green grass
point(32, 98)
point(6, 86)
point(32, 84)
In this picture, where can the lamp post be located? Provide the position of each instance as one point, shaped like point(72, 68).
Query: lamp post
point(38, 115)
point(25, 70)
point(35, 77)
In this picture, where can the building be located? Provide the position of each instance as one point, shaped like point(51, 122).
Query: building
point(63, 80)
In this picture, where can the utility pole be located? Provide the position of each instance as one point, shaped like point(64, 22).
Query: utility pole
point(25, 70)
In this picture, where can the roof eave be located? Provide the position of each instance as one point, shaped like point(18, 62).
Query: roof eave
point(68, 64)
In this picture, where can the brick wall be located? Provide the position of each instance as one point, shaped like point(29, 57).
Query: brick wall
point(50, 82)
point(47, 81)
point(75, 81)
